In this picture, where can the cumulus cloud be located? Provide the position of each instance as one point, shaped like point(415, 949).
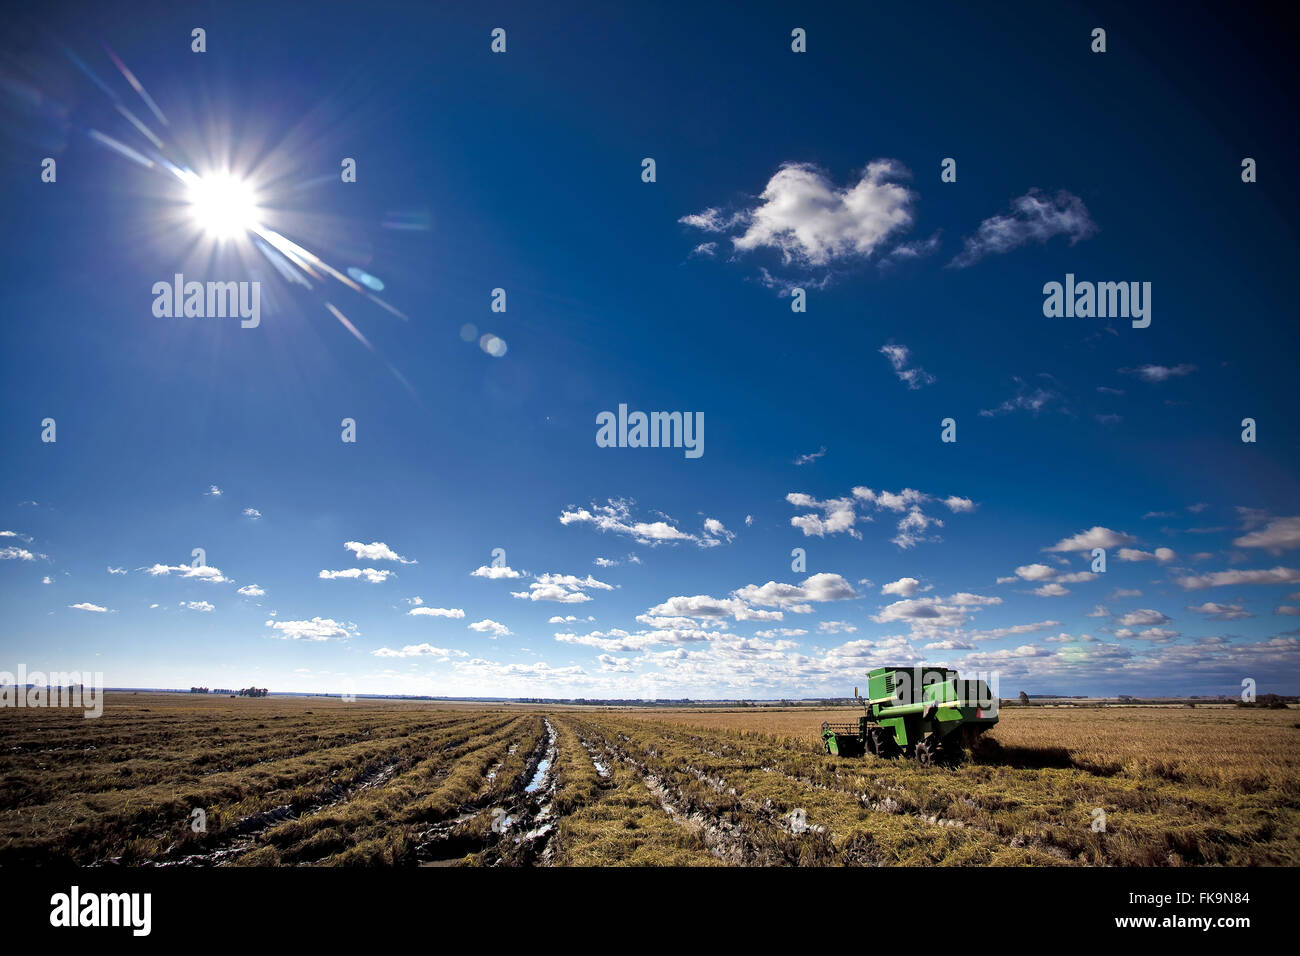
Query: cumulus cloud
point(87, 606)
point(1163, 555)
point(251, 513)
point(837, 515)
point(370, 574)
point(1034, 217)
point(1221, 612)
point(490, 627)
point(1218, 579)
point(1145, 617)
point(813, 223)
point(419, 650)
point(423, 611)
point(375, 551)
point(317, 629)
point(903, 587)
point(1095, 537)
point(814, 590)
point(203, 572)
point(1051, 590)
point(616, 516)
point(912, 529)
point(197, 606)
point(841, 514)
point(561, 588)
point(251, 590)
point(496, 573)
point(1278, 535)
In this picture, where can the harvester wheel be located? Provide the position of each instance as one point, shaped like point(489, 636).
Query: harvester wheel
point(925, 753)
point(952, 753)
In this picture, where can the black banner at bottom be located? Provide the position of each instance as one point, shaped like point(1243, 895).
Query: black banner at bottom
point(325, 905)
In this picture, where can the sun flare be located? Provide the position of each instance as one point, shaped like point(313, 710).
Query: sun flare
point(222, 205)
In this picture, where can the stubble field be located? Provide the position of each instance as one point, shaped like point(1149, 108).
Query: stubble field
point(173, 779)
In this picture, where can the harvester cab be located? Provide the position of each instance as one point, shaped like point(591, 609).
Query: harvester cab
point(928, 713)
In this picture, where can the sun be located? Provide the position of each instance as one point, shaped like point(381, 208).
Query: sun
point(222, 205)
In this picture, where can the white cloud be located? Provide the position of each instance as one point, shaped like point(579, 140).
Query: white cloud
point(837, 515)
point(616, 516)
point(899, 359)
point(815, 589)
point(1034, 217)
point(317, 629)
point(1015, 629)
point(812, 222)
point(1095, 537)
point(1163, 555)
point(903, 587)
point(422, 611)
point(370, 574)
point(1218, 579)
point(375, 551)
point(419, 650)
point(1051, 590)
point(1278, 535)
point(197, 606)
point(16, 554)
point(113, 570)
point(837, 627)
point(490, 627)
point(1221, 612)
point(1159, 373)
point(808, 459)
point(251, 590)
point(561, 588)
point(1145, 617)
point(496, 573)
point(912, 528)
point(203, 572)
point(251, 513)
point(86, 606)
point(213, 490)
point(959, 505)
point(1028, 398)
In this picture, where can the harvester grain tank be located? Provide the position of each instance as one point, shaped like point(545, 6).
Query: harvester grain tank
point(928, 713)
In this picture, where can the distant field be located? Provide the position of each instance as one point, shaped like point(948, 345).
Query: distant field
point(293, 781)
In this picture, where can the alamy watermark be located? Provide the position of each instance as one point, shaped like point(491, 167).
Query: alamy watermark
point(73, 689)
point(1098, 300)
point(653, 430)
point(210, 300)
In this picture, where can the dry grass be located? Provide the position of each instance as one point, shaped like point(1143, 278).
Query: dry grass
point(287, 781)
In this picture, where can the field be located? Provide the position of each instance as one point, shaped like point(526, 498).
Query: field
point(175, 779)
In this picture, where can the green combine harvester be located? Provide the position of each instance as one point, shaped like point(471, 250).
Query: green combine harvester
point(928, 713)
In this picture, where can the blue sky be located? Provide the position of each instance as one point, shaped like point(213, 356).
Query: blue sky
point(774, 170)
